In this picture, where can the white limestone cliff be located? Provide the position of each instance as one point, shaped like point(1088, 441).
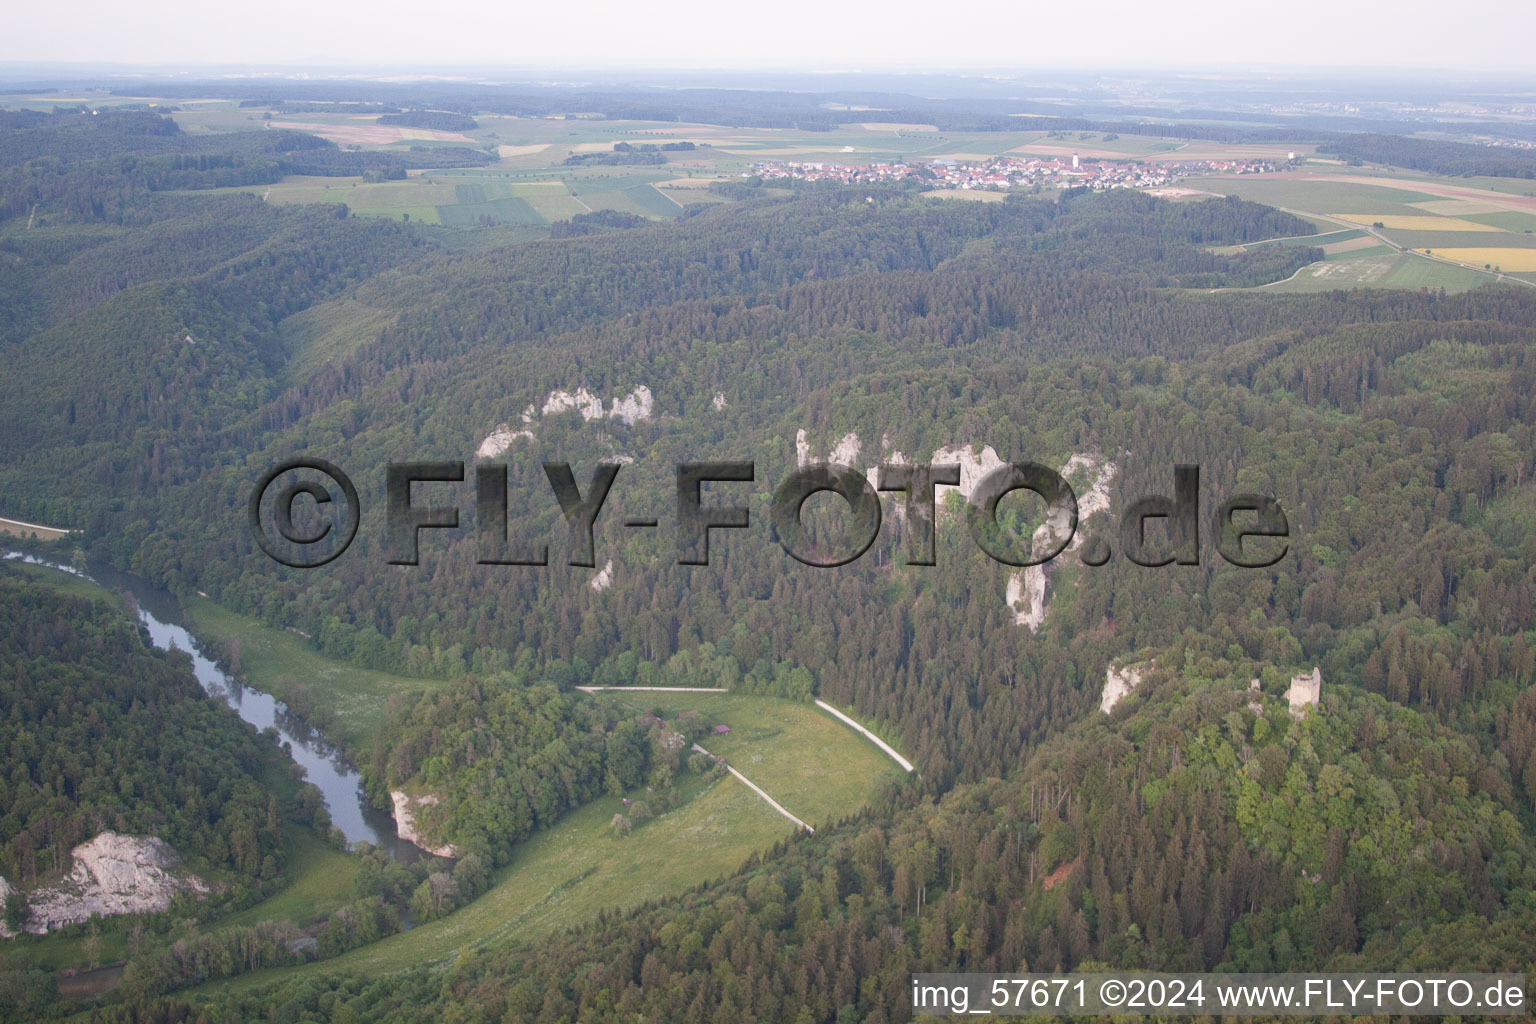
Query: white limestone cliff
point(112, 874)
point(844, 453)
point(1118, 682)
point(1306, 691)
point(1026, 588)
point(405, 821)
point(499, 440)
point(630, 409)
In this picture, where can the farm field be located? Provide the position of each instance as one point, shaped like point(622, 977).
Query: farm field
point(1419, 217)
point(980, 195)
point(1380, 270)
point(1400, 222)
point(1521, 260)
point(468, 198)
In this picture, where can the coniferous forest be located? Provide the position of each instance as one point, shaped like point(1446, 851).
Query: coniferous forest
point(164, 347)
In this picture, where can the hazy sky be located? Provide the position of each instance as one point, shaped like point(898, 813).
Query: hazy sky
point(837, 35)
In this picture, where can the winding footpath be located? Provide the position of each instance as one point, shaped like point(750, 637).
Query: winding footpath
point(876, 740)
point(758, 790)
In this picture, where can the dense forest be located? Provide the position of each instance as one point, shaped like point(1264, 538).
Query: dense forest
point(104, 732)
point(167, 348)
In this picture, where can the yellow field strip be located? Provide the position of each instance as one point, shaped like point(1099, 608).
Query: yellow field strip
point(1403, 222)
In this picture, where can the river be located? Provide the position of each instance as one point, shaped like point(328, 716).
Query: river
point(323, 764)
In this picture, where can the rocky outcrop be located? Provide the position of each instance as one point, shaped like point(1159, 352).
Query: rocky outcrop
point(1306, 691)
point(1118, 682)
point(405, 821)
point(5, 894)
point(1026, 588)
point(113, 874)
point(843, 453)
point(499, 440)
point(604, 579)
point(630, 408)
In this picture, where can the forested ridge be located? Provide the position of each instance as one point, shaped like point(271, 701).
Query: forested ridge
point(167, 349)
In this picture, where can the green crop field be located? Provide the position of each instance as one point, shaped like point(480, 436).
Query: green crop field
point(1325, 238)
point(1317, 196)
point(1461, 239)
point(1509, 220)
point(652, 202)
point(1388, 270)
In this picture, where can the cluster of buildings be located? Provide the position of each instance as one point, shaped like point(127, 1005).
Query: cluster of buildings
point(1007, 172)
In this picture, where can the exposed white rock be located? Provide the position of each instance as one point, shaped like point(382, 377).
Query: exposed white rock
point(1026, 588)
point(844, 453)
point(633, 407)
point(619, 460)
point(1118, 682)
point(405, 821)
point(5, 894)
point(499, 440)
point(582, 400)
point(604, 579)
point(1100, 472)
point(1026, 596)
point(112, 874)
point(719, 401)
point(1306, 691)
point(973, 468)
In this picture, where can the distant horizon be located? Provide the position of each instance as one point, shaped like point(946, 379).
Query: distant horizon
point(912, 36)
point(520, 71)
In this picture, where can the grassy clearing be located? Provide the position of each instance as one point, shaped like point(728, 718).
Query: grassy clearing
point(815, 766)
point(328, 332)
point(63, 582)
point(322, 881)
point(966, 193)
point(273, 660)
